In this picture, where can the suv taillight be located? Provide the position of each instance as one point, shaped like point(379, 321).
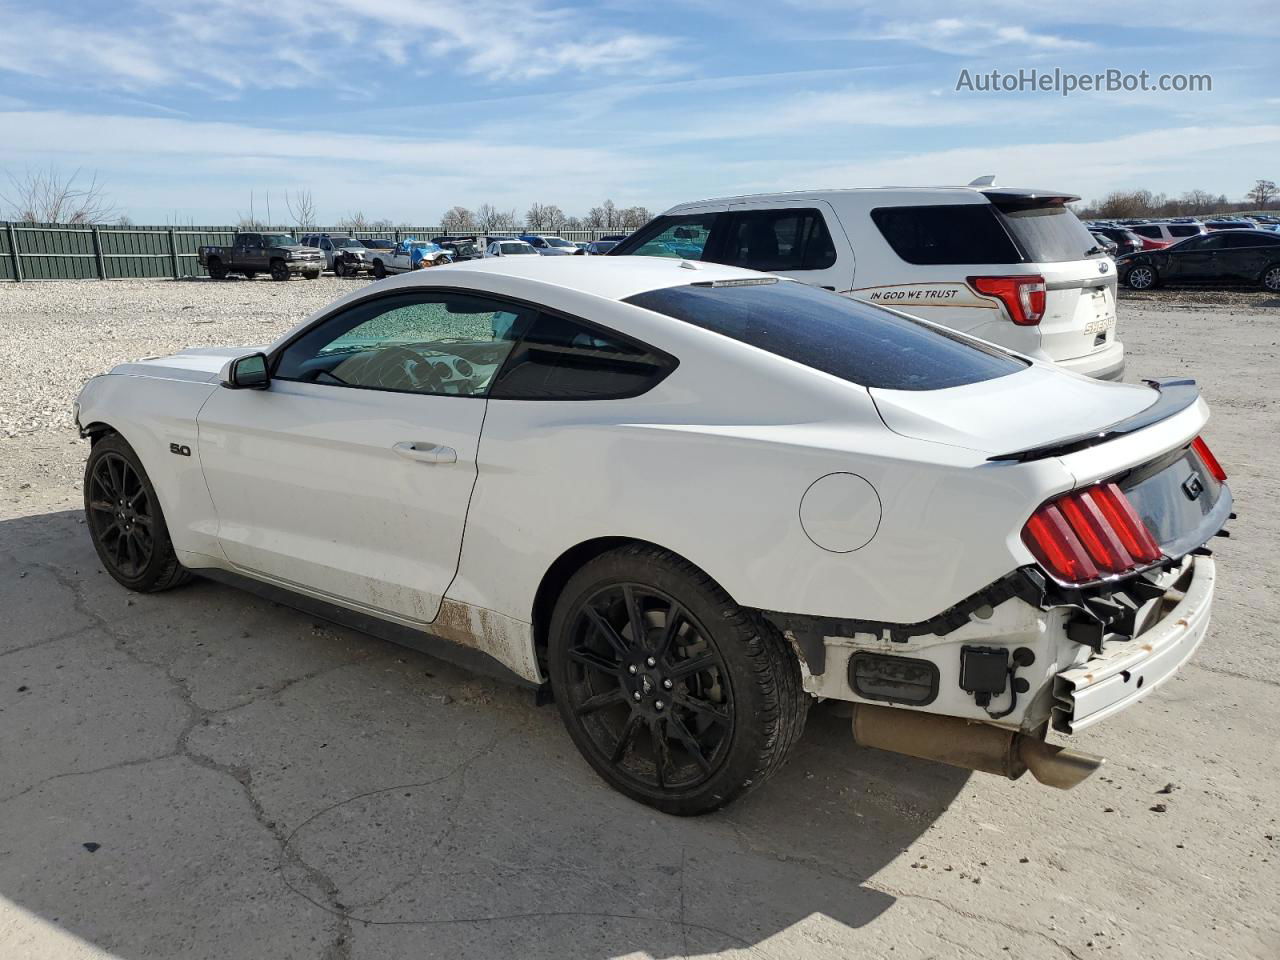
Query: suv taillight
point(1208, 459)
point(1088, 534)
point(1023, 296)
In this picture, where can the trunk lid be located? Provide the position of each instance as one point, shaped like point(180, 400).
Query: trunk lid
point(1032, 408)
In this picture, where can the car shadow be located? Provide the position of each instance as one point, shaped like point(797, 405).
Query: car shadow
point(207, 773)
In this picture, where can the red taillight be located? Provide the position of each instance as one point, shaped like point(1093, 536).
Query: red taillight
point(1208, 459)
point(1024, 296)
point(1090, 533)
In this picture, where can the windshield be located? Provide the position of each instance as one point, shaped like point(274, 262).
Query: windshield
point(341, 242)
point(557, 242)
point(604, 246)
point(854, 341)
point(278, 240)
point(1047, 234)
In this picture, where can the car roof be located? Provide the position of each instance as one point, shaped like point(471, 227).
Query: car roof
point(612, 278)
point(968, 194)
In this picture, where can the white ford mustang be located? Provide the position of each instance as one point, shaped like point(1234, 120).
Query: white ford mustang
point(685, 499)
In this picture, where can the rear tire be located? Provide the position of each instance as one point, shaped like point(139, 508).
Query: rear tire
point(125, 521)
point(379, 269)
point(694, 707)
point(1141, 277)
point(279, 271)
point(217, 269)
point(1271, 278)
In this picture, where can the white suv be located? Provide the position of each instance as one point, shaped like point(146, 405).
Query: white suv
point(1011, 266)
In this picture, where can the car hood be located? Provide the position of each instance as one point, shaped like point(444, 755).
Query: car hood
point(195, 363)
point(1032, 408)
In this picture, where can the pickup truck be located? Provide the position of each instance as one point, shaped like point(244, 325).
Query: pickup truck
point(252, 253)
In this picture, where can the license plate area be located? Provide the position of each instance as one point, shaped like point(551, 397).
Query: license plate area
point(1178, 499)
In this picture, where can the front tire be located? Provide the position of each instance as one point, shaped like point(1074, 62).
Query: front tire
point(279, 271)
point(1271, 278)
point(250, 274)
point(674, 694)
point(217, 269)
point(1141, 277)
point(125, 521)
point(379, 269)
point(338, 269)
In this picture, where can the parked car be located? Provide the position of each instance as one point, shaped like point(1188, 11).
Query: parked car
point(459, 248)
point(1157, 236)
point(598, 248)
point(989, 545)
point(1230, 225)
point(1125, 240)
point(1105, 243)
point(509, 248)
point(615, 237)
point(409, 254)
point(1224, 256)
point(342, 254)
point(549, 246)
point(251, 253)
point(1012, 266)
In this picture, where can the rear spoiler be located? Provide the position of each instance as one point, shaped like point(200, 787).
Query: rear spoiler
point(1173, 395)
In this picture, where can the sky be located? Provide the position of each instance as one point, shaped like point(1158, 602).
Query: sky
point(402, 108)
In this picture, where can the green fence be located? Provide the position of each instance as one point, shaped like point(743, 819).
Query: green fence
point(50, 251)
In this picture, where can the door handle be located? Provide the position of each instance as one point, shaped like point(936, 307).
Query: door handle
point(426, 452)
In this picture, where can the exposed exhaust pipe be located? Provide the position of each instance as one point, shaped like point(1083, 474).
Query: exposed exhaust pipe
point(970, 744)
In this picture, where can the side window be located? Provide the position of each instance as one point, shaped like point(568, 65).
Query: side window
point(450, 344)
point(965, 233)
point(684, 236)
point(1212, 242)
point(562, 359)
point(1183, 230)
point(250, 240)
point(1151, 233)
point(326, 245)
point(1240, 240)
point(771, 240)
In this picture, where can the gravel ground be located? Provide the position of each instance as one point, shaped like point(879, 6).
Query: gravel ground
point(204, 774)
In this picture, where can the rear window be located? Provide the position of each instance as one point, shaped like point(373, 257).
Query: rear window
point(1151, 233)
point(946, 234)
point(1183, 230)
point(773, 240)
point(1046, 233)
point(853, 341)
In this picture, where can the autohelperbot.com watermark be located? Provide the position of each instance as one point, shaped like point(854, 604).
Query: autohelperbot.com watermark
point(1065, 82)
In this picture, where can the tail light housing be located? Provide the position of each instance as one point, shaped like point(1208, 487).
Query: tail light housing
point(1023, 296)
point(1208, 459)
point(1090, 534)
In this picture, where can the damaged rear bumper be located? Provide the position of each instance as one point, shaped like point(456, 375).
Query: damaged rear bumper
point(1123, 672)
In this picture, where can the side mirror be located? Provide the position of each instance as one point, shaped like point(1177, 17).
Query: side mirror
point(247, 373)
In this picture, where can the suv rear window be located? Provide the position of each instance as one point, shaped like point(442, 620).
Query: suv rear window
point(946, 234)
point(780, 239)
point(1047, 233)
point(853, 341)
point(1183, 230)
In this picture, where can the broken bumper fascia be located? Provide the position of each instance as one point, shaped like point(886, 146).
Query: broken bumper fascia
point(1124, 672)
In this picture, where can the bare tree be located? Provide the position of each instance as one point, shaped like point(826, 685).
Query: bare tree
point(544, 216)
point(1263, 192)
point(633, 217)
point(489, 218)
point(457, 220)
point(249, 223)
point(572, 223)
point(605, 215)
point(301, 208)
point(356, 220)
point(46, 196)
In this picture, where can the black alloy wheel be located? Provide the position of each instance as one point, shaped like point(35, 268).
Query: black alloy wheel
point(279, 271)
point(676, 696)
point(125, 520)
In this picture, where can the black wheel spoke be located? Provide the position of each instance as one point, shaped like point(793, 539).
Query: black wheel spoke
point(685, 668)
point(625, 737)
point(661, 753)
point(594, 660)
point(606, 630)
point(634, 616)
point(691, 745)
point(102, 506)
point(142, 520)
point(601, 700)
point(704, 709)
point(674, 615)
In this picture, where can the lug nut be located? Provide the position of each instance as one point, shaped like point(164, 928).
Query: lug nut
point(636, 696)
point(631, 669)
point(667, 684)
point(658, 705)
point(651, 662)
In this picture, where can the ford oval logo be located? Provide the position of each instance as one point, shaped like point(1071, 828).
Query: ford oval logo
point(1103, 266)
